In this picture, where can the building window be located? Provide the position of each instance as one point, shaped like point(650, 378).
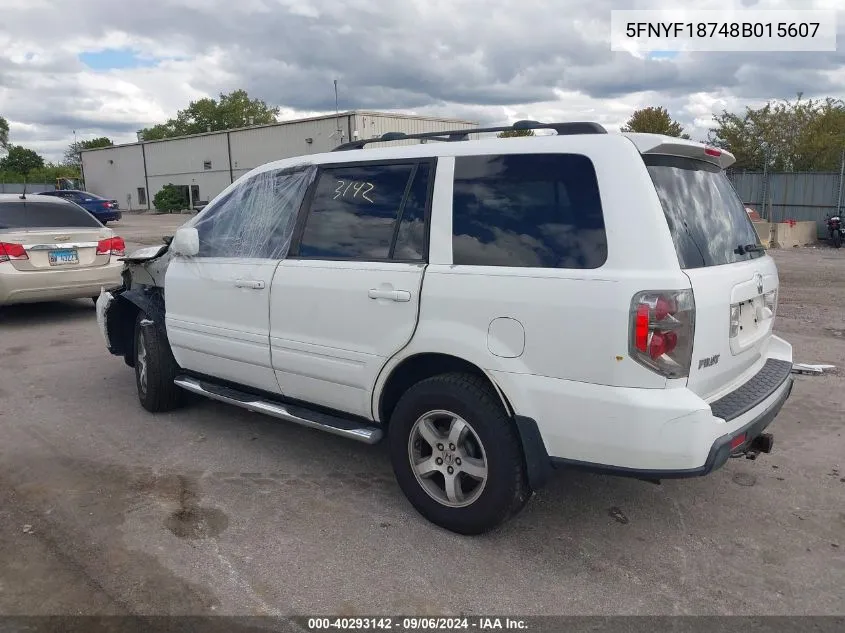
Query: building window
point(142, 197)
point(206, 164)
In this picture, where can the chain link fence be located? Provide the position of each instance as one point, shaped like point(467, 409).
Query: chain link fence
point(30, 187)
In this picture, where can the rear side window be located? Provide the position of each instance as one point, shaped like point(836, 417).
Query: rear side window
point(527, 210)
point(368, 212)
point(706, 217)
point(44, 215)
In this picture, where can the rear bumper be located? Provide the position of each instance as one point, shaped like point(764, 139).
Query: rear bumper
point(33, 286)
point(719, 453)
point(108, 216)
point(644, 433)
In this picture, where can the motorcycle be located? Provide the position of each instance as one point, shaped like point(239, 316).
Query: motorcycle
point(837, 232)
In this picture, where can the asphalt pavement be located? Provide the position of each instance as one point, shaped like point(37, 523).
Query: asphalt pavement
point(107, 509)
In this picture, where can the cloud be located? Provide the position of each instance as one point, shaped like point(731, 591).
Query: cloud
point(488, 60)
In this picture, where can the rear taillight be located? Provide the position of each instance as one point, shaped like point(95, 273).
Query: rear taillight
point(107, 204)
point(12, 251)
point(111, 246)
point(662, 331)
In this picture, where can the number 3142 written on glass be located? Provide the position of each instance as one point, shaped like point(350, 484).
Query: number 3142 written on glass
point(354, 189)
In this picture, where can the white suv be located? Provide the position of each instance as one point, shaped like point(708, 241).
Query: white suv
point(493, 307)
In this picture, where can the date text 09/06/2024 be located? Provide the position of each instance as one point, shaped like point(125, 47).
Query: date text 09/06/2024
point(416, 624)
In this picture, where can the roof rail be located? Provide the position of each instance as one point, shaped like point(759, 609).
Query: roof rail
point(573, 127)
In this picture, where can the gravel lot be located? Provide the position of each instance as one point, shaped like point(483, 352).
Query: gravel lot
point(99, 500)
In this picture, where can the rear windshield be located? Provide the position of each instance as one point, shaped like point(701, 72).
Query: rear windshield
point(44, 215)
point(707, 219)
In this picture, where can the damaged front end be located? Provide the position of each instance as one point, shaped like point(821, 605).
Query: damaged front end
point(142, 292)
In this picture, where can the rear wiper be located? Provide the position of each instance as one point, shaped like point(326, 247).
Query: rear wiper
point(748, 248)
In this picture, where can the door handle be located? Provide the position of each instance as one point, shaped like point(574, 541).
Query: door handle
point(254, 284)
point(391, 295)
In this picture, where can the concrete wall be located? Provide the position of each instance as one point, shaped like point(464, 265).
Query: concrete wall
point(801, 234)
point(783, 235)
point(115, 173)
point(373, 125)
point(764, 230)
point(257, 146)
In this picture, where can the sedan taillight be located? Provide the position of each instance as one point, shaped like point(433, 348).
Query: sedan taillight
point(112, 246)
point(12, 251)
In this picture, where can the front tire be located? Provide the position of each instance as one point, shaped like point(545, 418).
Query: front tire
point(837, 239)
point(456, 454)
point(155, 369)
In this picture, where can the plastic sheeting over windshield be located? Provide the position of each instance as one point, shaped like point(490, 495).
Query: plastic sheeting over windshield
point(254, 219)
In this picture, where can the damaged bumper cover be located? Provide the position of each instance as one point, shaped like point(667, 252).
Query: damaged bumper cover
point(141, 291)
point(104, 302)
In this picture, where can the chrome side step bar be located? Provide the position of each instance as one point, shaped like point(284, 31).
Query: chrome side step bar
point(347, 428)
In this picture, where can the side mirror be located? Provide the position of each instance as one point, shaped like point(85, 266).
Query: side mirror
point(186, 241)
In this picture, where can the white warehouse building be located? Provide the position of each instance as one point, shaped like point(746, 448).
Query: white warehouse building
point(205, 164)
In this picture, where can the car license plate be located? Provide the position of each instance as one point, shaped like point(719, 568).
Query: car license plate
point(63, 257)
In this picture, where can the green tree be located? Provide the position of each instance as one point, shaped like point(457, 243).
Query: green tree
point(72, 158)
point(4, 134)
point(47, 174)
point(21, 160)
point(231, 111)
point(515, 133)
point(169, 198)
point(804, 135)
point(654, 120)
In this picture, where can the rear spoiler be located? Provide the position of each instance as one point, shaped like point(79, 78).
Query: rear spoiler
point(659, 144)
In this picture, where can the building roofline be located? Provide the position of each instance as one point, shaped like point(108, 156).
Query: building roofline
point(321, 117)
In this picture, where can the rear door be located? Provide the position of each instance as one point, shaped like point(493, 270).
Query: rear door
point(734, 281)
point(347, 298)
point(53, 235)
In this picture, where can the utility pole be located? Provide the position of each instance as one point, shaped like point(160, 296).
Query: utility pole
point(765, 193)
point(337, 113)
point(841, 176)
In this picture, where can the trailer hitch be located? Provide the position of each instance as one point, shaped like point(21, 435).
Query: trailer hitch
point(763, 443)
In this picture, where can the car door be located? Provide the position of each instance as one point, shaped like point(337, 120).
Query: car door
point(218, 302)
point(347, 297)
point(80, 199)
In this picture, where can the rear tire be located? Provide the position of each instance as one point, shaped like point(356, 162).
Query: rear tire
point(155, 369)
point(837, 239)
point(456, 454)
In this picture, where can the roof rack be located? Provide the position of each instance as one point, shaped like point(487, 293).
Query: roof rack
point(574, 127)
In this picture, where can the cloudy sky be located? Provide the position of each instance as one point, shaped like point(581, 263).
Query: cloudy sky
point(110, 67)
